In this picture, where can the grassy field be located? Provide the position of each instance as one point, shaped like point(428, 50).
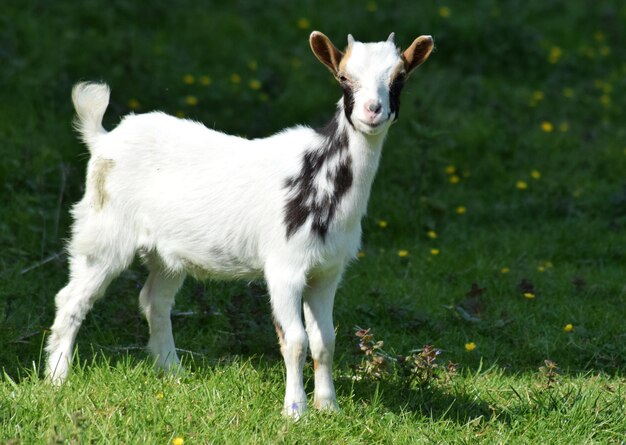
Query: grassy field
point(496, 229)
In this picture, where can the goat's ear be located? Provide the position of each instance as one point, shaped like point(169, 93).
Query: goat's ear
point(325, 51)
point(417, 53)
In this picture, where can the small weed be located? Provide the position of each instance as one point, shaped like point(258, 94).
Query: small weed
point(550, 372)
point(419, 368)
point(375, 361)
point(422, 366)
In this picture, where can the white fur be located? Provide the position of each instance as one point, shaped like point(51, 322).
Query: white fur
point(195, 201)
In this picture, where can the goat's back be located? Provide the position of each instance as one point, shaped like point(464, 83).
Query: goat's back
point(190, 194)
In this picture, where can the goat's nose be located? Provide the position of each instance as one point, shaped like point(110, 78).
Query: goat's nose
point(373, 106)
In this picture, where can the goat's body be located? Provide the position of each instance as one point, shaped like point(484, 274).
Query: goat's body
point(193, 201)
point(206, 203)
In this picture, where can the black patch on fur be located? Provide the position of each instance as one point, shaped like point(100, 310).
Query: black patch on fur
point(348, 101)
point(394, 94)
point(305, 200)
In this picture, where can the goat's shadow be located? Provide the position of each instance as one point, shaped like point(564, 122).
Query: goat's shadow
point(436, 401)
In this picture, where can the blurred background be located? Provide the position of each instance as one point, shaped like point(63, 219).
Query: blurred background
point(505, 169)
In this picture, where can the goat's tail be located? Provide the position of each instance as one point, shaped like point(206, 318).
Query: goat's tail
point(90, 101)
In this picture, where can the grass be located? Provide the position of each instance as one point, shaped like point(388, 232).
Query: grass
point(517, 118)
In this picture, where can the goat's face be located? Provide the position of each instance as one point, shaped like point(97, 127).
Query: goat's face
point(372, 76)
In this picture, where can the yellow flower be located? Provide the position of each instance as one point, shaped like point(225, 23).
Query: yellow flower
point(469, 347)
point(547, 126)
point(599, 36)
point(541, 269)
point(444, 12)
point(235, 78)
point(205, 80)
point(606, 87)
point(434, 251)
point(188, 79)
point(536, 97)
point(382, 223)
point(555, 54)
point(461, 210)
point(454, 179)
point(568, 327)
point(605, 100)
point(180, 114)
point(304, 23)
point(431, 234)
point(505, 270)
point(372, 6)
point(254, 84)
point(159, 396)
point(178, 441)
point(191, 100)
point(521, 185)
point(360, 254)
point(535, 174)
point(563, 127)
point(529, 295)
point(133, 104)
point(605, 51)
point(450, 169)
point(253, 65)
point(403, 253)
point(568, 92)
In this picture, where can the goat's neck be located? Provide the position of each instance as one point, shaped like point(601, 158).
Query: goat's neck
point(365, 151)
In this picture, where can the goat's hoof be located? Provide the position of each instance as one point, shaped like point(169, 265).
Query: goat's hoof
point(54, 380)
point(174, 373)
point(56, 372)
point(328, 405)
point(295, 410)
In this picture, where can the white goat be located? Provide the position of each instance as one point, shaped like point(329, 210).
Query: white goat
point(190, 200)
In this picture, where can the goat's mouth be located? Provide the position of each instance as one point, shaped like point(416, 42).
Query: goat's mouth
point(373, 126)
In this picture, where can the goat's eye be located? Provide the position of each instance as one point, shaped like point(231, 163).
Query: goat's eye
point(343, 78)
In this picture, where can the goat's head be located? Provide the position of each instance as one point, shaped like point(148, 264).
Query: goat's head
point(372, 76)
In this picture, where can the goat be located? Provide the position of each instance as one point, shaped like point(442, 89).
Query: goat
point(193, 201)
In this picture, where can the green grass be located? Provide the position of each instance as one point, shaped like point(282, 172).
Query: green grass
point(478, 105)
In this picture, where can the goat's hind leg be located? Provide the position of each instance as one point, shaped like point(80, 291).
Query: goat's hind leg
point(156, 299)
point(89, 279)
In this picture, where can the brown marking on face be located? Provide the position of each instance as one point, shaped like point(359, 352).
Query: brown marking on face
point(344, 60)
point(315, 365)
point(101, 169)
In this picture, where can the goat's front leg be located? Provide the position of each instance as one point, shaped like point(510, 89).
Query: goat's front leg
point(285, 285)
point(318, 314)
